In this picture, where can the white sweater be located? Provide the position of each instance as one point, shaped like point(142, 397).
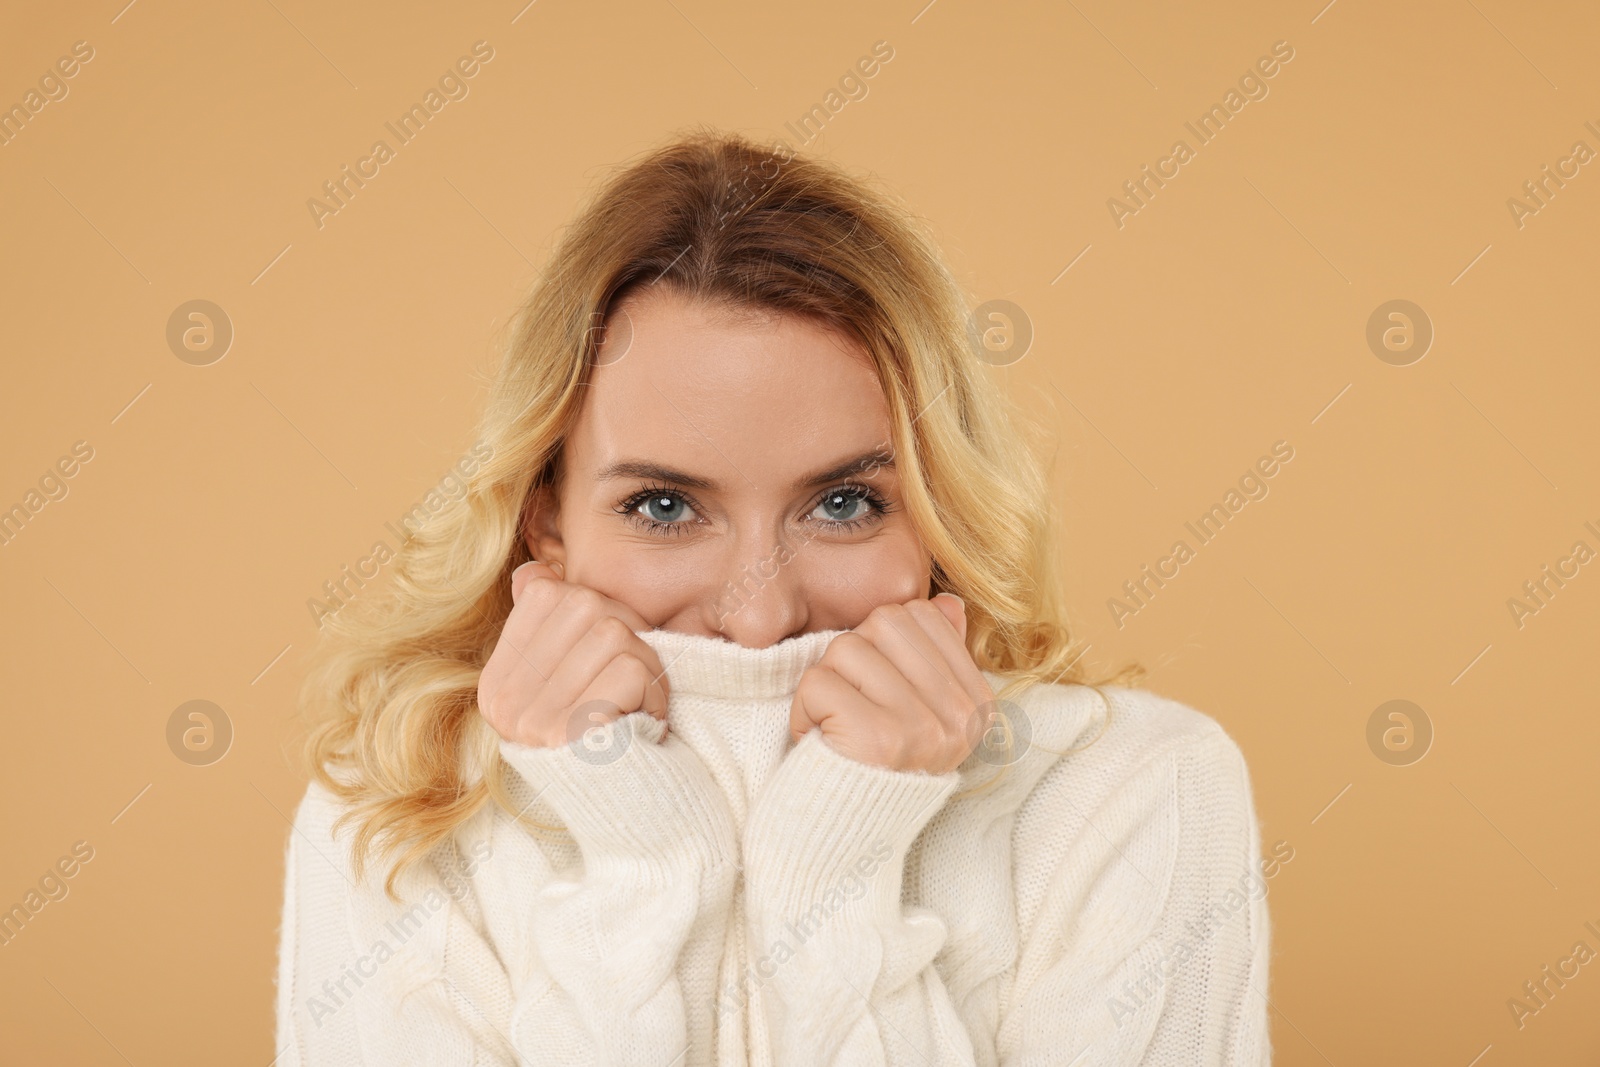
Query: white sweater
point(727, 897)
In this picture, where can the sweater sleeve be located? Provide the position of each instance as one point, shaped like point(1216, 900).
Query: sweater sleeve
point(842, 970)
point(1151, 943)
point(590, 974)
point(660, 858)
point(362, 979)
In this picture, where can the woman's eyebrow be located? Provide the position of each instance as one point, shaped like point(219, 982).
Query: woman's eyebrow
point(862, 466)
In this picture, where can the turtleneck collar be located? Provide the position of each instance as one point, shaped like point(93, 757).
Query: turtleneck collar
point(721, 669)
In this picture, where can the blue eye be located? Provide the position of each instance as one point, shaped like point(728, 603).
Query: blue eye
point(659, 510)
point(660, 507)
point(842, 505)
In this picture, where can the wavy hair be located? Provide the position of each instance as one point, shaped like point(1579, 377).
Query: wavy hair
point(390, 699)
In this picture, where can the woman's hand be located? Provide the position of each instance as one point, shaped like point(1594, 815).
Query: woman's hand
point(899, 691)
point(568, 659)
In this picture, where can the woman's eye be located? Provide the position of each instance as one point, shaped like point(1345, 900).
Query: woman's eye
point(842, 506)
point(662, 508)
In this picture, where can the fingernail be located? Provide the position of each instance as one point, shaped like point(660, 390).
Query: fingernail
point(957, 599)
point(561, 570)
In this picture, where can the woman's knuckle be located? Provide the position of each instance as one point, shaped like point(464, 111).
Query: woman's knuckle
point(634, 670)
point(621, 627)
point(542, 593)
point(849, 643)
point(587, 599)
point(611, 631)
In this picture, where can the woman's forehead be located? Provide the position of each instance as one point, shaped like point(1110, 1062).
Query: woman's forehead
point(705, 392)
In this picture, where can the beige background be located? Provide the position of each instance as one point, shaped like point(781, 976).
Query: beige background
point(1229, 313)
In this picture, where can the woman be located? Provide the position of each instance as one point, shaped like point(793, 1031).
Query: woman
point(730, 717)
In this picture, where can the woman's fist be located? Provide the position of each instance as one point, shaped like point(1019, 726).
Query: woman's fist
point(568, 659)
point(898, 691)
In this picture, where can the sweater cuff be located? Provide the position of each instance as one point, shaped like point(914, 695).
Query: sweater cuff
point(630, 799)
point(826, 820)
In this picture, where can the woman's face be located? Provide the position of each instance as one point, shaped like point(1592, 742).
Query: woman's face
point(731, 476)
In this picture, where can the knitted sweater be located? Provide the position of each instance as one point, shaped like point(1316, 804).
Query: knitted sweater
point(725, 896)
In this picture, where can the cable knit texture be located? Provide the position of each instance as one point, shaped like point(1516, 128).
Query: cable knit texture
point(723, 895)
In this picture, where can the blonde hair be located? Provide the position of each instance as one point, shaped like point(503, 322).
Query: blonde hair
point(391, 697)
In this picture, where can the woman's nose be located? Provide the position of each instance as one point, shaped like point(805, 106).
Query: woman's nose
point(761, 600)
